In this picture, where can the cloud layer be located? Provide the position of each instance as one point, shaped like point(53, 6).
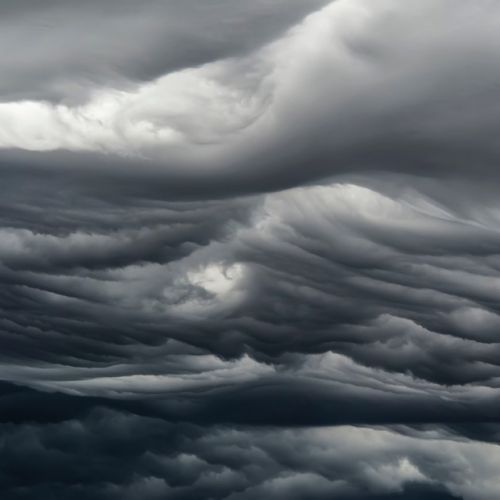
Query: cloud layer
point(249, 250)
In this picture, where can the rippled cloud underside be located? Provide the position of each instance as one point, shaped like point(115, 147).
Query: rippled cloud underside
point(249, 250)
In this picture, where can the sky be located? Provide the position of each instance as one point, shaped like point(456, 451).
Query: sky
point(249, 250)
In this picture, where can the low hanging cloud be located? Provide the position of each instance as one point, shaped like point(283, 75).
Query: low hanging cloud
point(391, 92)
point(249, 250)
point(110, 454)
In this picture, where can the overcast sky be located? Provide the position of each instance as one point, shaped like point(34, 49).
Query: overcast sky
point(249, 250)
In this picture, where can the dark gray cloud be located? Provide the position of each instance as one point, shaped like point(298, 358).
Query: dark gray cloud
point(117, 454)
point(249, 250)
point(63, 50)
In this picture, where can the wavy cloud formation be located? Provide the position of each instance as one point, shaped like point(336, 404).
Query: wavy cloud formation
point(249, 250)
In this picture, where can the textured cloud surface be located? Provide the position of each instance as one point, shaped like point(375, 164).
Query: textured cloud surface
point(249, 249)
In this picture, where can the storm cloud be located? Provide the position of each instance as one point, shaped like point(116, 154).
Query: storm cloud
point(249, 250)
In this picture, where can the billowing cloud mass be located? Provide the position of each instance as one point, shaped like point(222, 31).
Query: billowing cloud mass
point(249, 250)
